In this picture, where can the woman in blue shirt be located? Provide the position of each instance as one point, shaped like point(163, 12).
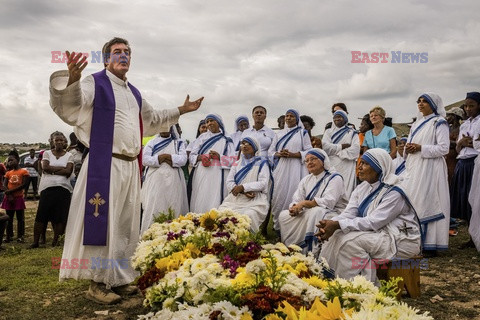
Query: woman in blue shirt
point(380, 136)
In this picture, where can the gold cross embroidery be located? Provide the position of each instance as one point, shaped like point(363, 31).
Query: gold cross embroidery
point(97, 201)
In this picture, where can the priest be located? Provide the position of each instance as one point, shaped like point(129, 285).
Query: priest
point(109, 117)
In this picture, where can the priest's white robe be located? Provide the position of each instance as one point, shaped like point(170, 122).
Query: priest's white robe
point(164, 186)
point(330, 199)
point(343, 160)
point(288, 171)
point(208, 182)
point(377, 235)
point(425, 180)
point(74, 105)
point(257, 181)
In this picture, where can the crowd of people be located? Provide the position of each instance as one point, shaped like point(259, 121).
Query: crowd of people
point(363, 194)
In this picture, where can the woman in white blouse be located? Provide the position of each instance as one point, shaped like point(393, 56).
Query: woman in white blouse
point(55, 190)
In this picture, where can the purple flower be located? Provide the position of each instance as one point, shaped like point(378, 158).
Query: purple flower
point(252, 247)
point(232, 265)
point(171, 236)
point(222, 234)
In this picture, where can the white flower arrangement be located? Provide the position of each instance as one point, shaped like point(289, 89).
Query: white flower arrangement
point(201, 265)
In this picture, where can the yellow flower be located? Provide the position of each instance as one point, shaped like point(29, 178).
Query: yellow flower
point(273, 316)
point(243, 280)
point(301, 267)
point(162, 263)
point(173, 261)
point(331, 311)
point(316, 282)
point(246, 316)
point(208, 220)
point(289, 310)
point(192, 250)
point(289, 268)
point(187, 217)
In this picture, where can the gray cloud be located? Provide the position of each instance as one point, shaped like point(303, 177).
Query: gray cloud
point(239, 54)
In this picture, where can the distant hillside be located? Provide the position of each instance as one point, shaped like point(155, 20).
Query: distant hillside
point(5, 148)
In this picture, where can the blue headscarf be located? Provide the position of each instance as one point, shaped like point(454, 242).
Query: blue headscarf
point(382, 163)
point(296, 114)
point(240, 119)
point(343, 114)
point(322, 155)
point(435, 103)
point(219, 120)
point(254, 143)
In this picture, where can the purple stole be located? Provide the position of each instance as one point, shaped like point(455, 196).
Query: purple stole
point(100, 160)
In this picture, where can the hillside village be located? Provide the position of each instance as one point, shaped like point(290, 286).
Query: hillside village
point(5, 148)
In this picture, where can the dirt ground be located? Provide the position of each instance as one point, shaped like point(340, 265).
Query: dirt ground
point(450, 285)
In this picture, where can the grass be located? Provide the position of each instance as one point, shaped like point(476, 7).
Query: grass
point(29, 287)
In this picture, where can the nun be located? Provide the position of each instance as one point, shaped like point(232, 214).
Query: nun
point(378, 224)
point(241, 124)
point(319, 196)
point(342, 145)
point(248, 184)
point(287, 152)
point(425, 177)
point(211, 157)
point(473, 198)
point(164, 185)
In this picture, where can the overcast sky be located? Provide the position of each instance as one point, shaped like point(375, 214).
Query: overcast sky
point(238, 54)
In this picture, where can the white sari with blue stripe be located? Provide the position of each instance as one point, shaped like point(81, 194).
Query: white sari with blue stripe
point(371, 228)
point(425, 179)
point(288, 171)
point(328, 192)
point(254, 175)
point(344, 160)
point(473, 197)
point(164, 186)
point(208, 184)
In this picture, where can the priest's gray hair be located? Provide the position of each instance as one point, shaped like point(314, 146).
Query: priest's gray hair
point(107, 47)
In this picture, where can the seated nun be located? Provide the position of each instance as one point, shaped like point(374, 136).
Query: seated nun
point(378, 224)
point(320, 195)
point(248, 184)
